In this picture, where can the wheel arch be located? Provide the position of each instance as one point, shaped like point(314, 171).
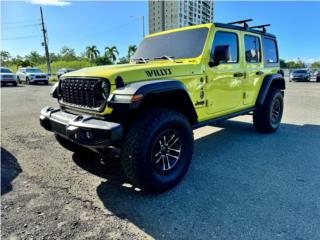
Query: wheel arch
point(270, 81)
point(170, 94)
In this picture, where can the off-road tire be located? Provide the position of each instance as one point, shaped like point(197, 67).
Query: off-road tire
point(67, 144)
point(137, 152)
point(263, 117)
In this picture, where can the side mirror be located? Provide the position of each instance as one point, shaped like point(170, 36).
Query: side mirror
point(221, 54)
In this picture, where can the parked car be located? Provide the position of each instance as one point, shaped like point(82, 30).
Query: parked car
point(317, 74)
point(32, 75)
point(177, 81)
point(7, 77)
point(63, 71)
point(300, 75)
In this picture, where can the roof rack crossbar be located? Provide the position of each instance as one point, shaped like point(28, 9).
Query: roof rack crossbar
point(244, 22)
point(263, 27)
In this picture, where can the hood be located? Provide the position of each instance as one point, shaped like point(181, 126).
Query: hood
point(7, 74)
point(138, 72)
point(37, 74)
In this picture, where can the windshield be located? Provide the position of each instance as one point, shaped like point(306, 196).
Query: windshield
point(300, 71)
point(5, 70)
point(33, 70)
point(182, 44)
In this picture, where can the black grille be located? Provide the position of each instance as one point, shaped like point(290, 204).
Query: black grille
point(84, 92)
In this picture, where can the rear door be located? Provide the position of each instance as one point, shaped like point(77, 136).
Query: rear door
point(253, 66)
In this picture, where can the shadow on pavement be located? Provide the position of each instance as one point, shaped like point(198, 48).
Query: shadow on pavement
point(241, 185)
point(10, 169)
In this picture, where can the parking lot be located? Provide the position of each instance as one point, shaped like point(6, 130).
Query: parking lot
point(241, 184)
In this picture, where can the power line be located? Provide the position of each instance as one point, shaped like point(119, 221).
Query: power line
point(22, 37)
point(21, 26)
point(19, 22)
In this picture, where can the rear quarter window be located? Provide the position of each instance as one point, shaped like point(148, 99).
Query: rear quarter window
point(270, 51)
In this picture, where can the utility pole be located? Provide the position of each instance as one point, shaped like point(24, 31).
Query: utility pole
point(143, 34)
point(45, 42)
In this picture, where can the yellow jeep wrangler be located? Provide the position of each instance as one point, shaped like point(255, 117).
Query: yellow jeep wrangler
point(177, 81)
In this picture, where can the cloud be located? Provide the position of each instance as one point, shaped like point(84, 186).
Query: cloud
point(59, 3)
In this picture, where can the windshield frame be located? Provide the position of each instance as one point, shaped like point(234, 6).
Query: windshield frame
point(158, 58)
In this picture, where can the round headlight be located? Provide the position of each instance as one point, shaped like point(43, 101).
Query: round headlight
point(105, 87)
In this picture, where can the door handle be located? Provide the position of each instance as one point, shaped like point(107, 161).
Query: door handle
point(238, 74)
point(259, 73)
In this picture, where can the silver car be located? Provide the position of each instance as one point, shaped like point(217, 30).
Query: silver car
point(7, 77)
point(32, 75)
point(300, 75)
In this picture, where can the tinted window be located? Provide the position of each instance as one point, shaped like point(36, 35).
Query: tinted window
point(253, 52)
point(33, 70)
point(182, 44)
point(270, 51)
point(300, 71)
point(227, 39)
point(5, 70)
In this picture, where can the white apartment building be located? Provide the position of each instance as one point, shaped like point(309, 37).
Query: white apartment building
point(168, 14)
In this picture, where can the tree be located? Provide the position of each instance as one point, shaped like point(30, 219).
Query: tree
point(35, 58)
point(123, 60)
point(55, 57)
point(4, 57)
point(283, 64)
point(131, 50)
point(68, 54)
point(92, 53)
point(315, 64)
point(111, 53)
point(103, 60)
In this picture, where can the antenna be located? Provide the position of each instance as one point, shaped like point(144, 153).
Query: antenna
point(263, 27)
point(244, 22)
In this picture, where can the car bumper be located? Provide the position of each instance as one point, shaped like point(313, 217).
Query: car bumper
point(38, 79)
point(297, 79)
point(84, 130)
point(8, 81)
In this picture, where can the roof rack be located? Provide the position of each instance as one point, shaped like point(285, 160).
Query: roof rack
point(263, 27)
point(244, 22)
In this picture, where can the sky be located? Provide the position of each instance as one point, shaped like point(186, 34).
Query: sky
point(78, 24)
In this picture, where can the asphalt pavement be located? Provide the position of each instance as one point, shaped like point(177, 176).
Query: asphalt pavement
point(241, 184)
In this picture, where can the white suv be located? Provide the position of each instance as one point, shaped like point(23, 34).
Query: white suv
point(32, 75)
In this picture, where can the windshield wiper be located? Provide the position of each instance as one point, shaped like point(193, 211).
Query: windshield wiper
point(141, 59)
point(171, 58)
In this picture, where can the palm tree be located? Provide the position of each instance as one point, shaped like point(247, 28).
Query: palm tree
point(131, 50)
point(111, 53)
point(92, 53)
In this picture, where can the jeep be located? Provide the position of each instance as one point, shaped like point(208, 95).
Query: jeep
point(176, 81)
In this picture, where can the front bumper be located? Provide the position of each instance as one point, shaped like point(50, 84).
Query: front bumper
point(84, 130)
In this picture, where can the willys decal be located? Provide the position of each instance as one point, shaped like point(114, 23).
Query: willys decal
point(159, 72)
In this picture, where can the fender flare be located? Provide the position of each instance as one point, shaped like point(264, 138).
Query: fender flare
point(151, 89)
point(276, 80)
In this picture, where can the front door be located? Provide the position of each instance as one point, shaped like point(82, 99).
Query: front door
point(225, 80)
